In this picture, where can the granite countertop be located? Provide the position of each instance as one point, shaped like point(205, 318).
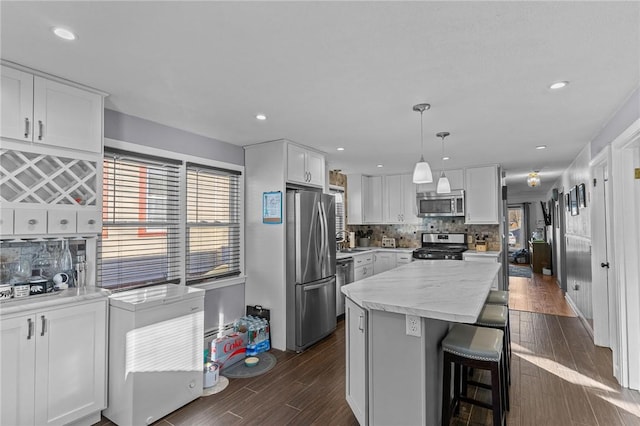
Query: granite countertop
point(52, 300)
point(448, 290)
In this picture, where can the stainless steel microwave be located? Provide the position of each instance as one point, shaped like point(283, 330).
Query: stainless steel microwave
point(431, 204)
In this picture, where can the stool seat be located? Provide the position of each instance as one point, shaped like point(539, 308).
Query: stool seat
point(493, 316)
point(498, 297)
point(483, 344)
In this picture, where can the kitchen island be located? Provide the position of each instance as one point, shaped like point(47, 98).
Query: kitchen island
point(395, 322)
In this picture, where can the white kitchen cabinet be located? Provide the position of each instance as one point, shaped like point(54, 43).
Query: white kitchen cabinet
point(404, 258)
point(305, 166)
point(6, 221)
point(363, 266)
point(54, 365)
point(89, 221)
point(30, 222)
point(383, 261)
point(61, 221)
point(357, 360)
point(456, 180)
point(372, 199)
point(482, 195)
point(488, 257)
point(400, 200)
point(49, 112)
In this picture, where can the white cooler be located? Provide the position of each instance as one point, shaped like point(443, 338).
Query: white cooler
point(155, 352)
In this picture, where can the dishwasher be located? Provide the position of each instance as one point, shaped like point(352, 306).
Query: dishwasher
point(155, 352)
point(344, 275)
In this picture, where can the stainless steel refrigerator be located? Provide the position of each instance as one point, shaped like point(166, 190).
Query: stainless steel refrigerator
point(311, 268)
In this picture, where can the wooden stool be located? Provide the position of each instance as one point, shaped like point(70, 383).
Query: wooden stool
point(497, 297)
point(468, 346)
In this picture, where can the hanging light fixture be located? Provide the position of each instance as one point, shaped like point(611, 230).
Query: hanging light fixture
point(422, 171)
point(533, 179)
point(444, 187)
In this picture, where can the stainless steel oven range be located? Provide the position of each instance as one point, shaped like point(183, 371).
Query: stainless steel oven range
point(441, 246)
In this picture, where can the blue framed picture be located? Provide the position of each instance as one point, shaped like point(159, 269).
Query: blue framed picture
point(272, 207)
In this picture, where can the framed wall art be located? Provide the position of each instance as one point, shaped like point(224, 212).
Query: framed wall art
point(567, 201)
point(582, 196)
point(573, 201)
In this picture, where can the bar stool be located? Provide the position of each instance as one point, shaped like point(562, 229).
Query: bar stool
point(497, 297)
point(496, 316)
point(468, 346)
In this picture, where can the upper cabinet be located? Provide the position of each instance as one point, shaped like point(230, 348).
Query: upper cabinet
point(456, 180)
point(482, 195)
point(40, 110)
point(304, 166)
point(364, 199)
point(399, 205)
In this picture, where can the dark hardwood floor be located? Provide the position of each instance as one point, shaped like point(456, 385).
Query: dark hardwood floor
point(558, 378)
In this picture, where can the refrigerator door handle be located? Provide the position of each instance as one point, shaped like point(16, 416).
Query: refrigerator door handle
point(323, 232)
point(315, 286)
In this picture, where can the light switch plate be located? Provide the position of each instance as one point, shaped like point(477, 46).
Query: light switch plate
point(413, 326)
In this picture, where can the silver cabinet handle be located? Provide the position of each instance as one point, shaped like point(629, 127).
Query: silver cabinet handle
point(64, 222)
point(40, 129)
point(44, 325)
point(26, 127)
point(361, 323)
point(29, 328)
point(32, 221)
point(91, 222)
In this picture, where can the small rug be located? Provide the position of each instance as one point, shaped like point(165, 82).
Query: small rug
point(222, 384)
point(519, 271)
point(241, 371)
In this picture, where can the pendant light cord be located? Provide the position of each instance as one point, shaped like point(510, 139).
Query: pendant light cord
point(421, 137)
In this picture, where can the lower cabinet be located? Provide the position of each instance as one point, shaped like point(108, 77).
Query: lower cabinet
point(53, 365)
point(383, 261)
point(492, 257)
point(357, 362)
point(362, 266)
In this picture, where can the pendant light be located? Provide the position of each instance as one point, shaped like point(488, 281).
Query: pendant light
point(533, 179)
point(444, 187)
point(422, 171)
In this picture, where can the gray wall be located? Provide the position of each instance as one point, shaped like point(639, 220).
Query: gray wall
point(627, 114)
point(132, 129)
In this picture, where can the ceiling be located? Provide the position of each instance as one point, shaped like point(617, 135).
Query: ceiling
point(346, 74)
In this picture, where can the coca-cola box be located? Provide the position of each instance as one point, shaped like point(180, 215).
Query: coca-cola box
point(229, 349)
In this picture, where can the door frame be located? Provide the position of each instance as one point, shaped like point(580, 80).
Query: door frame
point(626, 233)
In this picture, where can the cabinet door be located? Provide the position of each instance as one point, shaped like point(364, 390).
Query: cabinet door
point(354, 199)
point(384, 262)
point(296, 168)
point(393, 199)
point(66, 116)
point(372, 191)
point(357, 362)
point(410, 210)
point(70, 363)
point(481, 195)
point(315, 168)
point(17, 352)
point(16, 104)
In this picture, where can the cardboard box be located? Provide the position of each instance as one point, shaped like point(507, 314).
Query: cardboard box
point(229, 349)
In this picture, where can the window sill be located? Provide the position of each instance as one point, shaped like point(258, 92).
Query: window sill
point(227, 282)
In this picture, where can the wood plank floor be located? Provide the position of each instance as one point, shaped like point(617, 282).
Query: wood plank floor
point(558, 378)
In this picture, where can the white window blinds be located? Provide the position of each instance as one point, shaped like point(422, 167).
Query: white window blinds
point(213, 223)
point(141, 221)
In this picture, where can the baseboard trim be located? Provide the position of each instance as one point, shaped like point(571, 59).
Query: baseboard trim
point(583, 320)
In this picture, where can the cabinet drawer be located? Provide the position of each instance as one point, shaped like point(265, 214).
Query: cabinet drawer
point(6, 222)
point(61, 221)
point(90, 221)
point(402, 258)
point(30, 221)
point(363, 260)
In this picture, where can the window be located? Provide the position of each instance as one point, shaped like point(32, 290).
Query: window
point(340, 216)
point(213, 223)
point(141, 221)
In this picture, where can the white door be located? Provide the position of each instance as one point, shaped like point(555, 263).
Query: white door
point(481, 196)
point(66, 116)
point(410, 211)
point(315, 168)
point(70, 363)
point(372, 190)
point(296, 168)
point(356, 346)
point(17, 104)
point(17, 355)
point(393, 200)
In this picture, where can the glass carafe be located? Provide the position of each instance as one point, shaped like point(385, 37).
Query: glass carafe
point(66, 261)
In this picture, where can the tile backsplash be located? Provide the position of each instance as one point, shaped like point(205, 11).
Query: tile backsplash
point(408, 236)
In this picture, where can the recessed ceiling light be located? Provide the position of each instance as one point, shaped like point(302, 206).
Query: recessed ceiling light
point(379, 165)
point(261, 117)
point(558, 85)
point(445, 158)
point(541, 147)
point(64, 33)
point(340, 149)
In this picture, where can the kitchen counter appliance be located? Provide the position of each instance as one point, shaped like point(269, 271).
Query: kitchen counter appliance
point(310, 268)
point(432, 204)
point(441, 246)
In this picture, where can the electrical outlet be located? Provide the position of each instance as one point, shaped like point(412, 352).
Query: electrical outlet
point(413, 326)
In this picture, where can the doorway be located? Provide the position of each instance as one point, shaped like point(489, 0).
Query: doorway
point(517, 227)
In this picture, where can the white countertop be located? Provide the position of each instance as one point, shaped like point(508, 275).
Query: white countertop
point(490, 253)
point(52, 300)
point(449, 290)
point(364, 250)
